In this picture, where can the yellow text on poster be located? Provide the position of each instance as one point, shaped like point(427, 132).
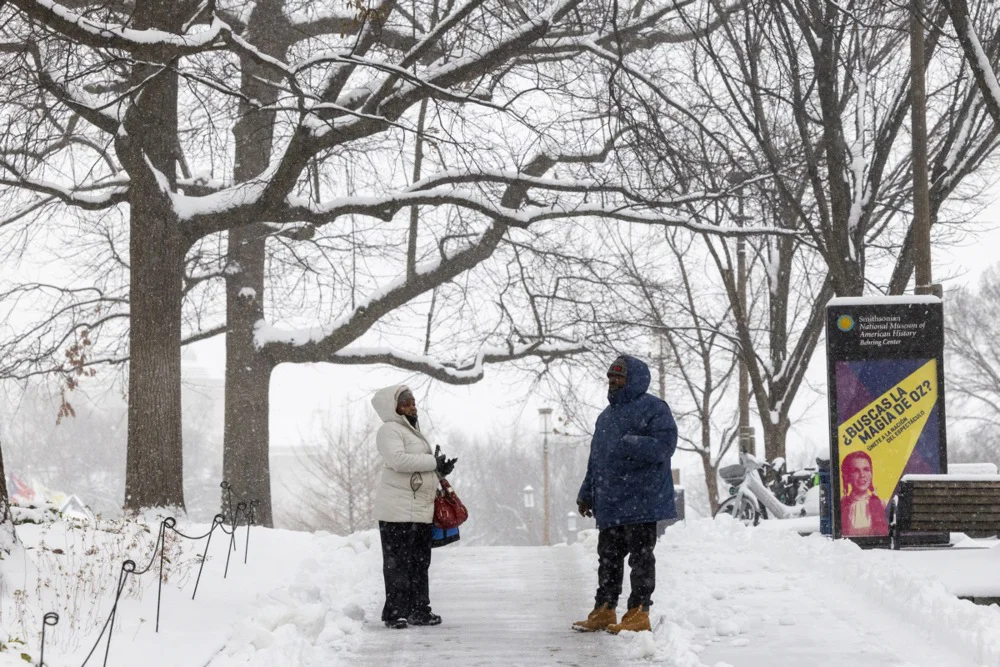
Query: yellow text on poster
point(888, 428)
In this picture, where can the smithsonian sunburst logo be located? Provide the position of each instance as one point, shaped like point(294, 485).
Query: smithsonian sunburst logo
point(845, 323)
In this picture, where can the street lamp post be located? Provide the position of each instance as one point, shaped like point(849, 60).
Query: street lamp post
point(545, 413)
point(923, 278)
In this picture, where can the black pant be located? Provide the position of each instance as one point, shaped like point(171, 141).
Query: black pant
point(406, 558)
point(637, 540)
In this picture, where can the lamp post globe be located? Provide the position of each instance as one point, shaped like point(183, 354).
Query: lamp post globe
point(529, 497)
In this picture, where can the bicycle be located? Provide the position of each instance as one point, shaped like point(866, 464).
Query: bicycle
point(752, 500)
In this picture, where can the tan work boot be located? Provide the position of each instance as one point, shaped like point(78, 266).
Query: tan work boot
point(635, 619)
point(599, 619)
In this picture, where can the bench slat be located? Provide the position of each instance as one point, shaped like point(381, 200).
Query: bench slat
point(956, 500)
point(953, 527)
point(957, 510)
point(959, 507)
point(962, 500)
point(954, 493)
point(986, 486)
point(956, 516)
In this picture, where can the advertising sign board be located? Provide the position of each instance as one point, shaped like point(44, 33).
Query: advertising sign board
point(886, 392)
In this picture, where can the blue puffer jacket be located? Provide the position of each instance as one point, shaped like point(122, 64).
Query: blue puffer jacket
point(628, 475)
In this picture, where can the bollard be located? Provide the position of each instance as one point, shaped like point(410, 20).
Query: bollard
point(825, 508)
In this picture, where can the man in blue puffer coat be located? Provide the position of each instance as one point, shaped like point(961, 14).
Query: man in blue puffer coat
point(628, 488)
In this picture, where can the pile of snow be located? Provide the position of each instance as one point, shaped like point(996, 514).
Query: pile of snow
point(726, 595)
point(72, 568)
point(296, 590)
point(736, 593)
point(323, 610)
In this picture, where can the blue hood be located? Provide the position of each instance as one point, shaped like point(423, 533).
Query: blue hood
point(636, 381)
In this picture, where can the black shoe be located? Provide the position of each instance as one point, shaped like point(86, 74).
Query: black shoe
point(423, 618)
point(397, 623)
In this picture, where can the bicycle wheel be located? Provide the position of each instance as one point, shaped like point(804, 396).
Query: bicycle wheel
point(745, 512)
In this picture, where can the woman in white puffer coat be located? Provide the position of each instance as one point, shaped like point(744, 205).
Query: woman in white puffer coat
point(404, 507)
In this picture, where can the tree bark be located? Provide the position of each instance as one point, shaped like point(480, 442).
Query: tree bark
point(6, 525)
point(154, 461)
point(247, 438)
point(848, 255)
point(4, 499)
point(775, 436)
point(711, 480)
point(246, 434)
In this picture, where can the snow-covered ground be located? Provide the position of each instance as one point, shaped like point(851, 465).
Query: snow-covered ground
point(726, 595)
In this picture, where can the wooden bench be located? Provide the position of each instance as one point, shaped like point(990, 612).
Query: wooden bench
point(967, 504)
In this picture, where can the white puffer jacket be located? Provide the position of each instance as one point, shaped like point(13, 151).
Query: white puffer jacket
point(408, 484)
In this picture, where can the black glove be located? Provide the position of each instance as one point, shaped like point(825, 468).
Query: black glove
point(444, 465)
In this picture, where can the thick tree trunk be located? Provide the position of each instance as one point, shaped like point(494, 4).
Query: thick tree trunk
point(711, 480)
point(246, 441)
point(846, 251)
point(775, 436)
point(154, 462)
point(7, 535)
point(4, 498)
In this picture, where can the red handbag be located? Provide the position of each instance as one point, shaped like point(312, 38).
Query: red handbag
point(449, 512)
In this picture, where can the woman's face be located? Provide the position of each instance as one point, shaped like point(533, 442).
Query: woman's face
point(406, 405)
point(859, 474)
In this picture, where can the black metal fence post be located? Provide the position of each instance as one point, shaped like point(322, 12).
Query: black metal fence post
point(217, 521)
point(129, 569)
point(51, 618)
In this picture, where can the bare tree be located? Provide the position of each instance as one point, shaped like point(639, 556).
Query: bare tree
point(974, 352)
point(126, 73)
point(973, 362)
point(697, 351)
point(982, 56)
point(339, 476)
point(799, 110)
point(491, 477)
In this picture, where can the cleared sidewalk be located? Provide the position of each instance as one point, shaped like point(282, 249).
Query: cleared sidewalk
point(501, 606)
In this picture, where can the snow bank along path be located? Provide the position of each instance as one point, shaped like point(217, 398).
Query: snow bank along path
point(726, 595)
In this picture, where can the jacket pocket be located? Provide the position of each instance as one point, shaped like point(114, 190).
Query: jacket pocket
point(397, 480)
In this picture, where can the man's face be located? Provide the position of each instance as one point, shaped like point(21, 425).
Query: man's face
point(406, 405)
point(615, 381)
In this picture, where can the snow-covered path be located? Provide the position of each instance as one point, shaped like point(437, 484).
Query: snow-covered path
point(726, 596)
point(508, 606)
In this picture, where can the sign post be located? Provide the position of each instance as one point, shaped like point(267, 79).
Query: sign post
point(885, 372)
